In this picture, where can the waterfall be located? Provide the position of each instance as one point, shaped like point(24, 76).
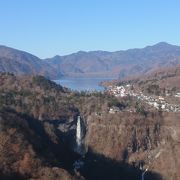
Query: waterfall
point(78, 134)
point(79, 163)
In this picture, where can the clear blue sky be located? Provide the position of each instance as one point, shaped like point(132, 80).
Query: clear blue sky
point(49, 27)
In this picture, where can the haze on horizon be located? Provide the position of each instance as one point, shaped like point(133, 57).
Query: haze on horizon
point(45, 29)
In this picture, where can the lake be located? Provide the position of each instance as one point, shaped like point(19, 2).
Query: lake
point(82, 84)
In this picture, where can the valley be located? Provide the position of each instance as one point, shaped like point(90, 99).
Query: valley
point(113, 145)
point(129, 129)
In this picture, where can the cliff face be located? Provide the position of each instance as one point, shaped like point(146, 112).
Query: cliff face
point(151, 142)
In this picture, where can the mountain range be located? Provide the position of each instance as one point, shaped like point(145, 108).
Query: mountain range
point(117, 64)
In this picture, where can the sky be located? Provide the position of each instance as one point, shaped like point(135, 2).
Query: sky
point(46, 28)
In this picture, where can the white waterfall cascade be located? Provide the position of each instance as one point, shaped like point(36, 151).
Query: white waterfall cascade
point(79, 145)
point(78, 134)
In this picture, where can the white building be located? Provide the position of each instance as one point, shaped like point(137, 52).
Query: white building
point(177, 95)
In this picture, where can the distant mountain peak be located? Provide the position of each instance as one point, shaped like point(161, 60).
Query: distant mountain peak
point(81, 52)
point(162, 44)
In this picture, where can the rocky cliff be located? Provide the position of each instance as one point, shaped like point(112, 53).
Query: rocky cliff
point(150, 142)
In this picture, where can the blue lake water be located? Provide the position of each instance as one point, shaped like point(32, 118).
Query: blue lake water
point(82, 84)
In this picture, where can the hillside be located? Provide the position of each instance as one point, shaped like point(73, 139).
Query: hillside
point(25, 152)
point(23, 63)
point(118, 64)
point(165, 80)
point(31, 146)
